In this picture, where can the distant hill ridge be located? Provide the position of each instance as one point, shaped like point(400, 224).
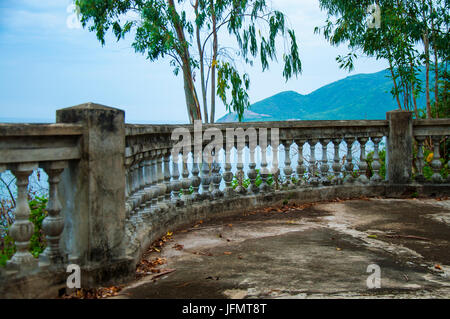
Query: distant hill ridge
point(357, 97)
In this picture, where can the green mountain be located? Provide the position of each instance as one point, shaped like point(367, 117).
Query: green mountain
point(357, 97)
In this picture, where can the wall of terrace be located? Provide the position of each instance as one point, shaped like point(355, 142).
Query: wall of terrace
point(114, 187)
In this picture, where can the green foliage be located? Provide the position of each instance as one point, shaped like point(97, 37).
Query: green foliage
point(258, 181)
point(428, 170)
point(37, 241)
point(7, 249)
point(171, 28)
point(404, 25)
point(38, 213)
point(382, 160)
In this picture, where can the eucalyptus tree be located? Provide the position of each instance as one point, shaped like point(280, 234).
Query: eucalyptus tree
point(192, 33)
point(408, 30)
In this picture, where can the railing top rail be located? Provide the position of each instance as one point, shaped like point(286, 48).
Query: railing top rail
point(141, 129)
point(23, 143)
point(8, 129)
point(431, 127)
point(433, 122)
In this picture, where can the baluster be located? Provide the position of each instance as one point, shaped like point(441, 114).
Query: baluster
point(264, 187)
point(176, 183)
point(132, 179)
point(362, 161)
point(287, 164)
point(275, 164)
point(127, 185)
point(186, 182)
point(161, 185)
point(53, 224)
point(240, 175)
point(376, 165)
point(349, 161)
point(337, 167)
point(216, 176)
point(154, 173)
point(196, 181)
point(167, 197)
point(135, 196)
point(228, 175)
point(148, 190)
point(314, 181)
point(141, 173)
point(22, 229)
point(206, 178)
point(128, 202)
point(252, 174)
point(324, 167)
point(142, 193)
point(420, 163)
point(436, 164)
point(301, 168)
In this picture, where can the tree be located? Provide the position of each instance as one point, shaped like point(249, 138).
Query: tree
point(410, 31)
point(170, 28)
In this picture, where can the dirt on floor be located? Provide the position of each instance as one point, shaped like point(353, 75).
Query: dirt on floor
point(323, 250)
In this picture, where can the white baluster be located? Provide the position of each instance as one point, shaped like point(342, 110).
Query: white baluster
point(436, 164)
point(324, 167)
point(362, 161)
point(337, 167)
point(313, 179)
point(22, 229)
point(376, 165)
point(301, 168)
point(53, 224)
point(349, 161)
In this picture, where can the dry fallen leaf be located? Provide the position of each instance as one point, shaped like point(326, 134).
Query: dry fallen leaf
point(178, 247)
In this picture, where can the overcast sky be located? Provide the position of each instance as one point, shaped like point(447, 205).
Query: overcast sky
point(46, 65)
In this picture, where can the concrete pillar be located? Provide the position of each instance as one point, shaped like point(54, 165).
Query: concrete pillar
point(93, 189)
point(399, 153)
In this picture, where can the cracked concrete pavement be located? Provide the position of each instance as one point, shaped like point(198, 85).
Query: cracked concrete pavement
point(320, 251)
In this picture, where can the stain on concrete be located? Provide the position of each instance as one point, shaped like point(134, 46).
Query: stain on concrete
point(322, 251)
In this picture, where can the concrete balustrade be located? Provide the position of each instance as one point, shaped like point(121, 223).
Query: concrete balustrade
point(116, 187)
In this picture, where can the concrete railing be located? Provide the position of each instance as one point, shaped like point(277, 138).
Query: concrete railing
point(115, 187)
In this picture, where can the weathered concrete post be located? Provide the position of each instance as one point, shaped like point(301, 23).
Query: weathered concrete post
point(93, 191)
point(399, 154)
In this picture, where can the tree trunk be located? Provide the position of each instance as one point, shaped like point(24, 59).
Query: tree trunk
point(436, 66)
point(413, 88)
point(436, 79)
point(192, 103)
point(214, 63)
point(426, 44)
point(395, 84)
point(202, 67)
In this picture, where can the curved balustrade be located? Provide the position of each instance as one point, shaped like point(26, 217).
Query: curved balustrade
point(156, 182)
point(115, 187)
point(24, 149)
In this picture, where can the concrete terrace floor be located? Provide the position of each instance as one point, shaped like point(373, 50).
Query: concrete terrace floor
point(310, 251)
